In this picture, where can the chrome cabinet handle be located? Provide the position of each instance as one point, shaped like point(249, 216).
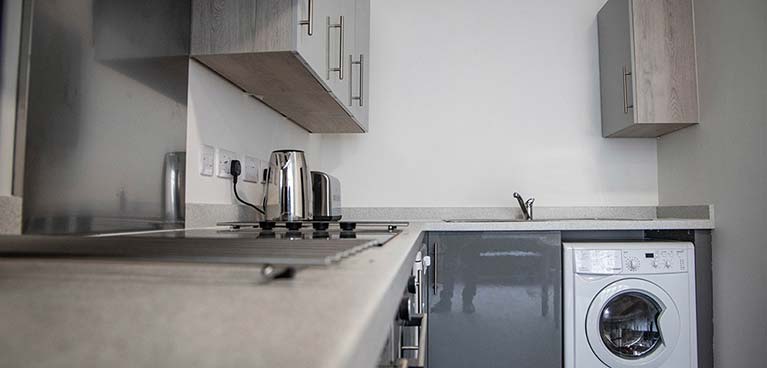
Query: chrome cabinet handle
point(421, 344)
point(352, 63)
point(434, 264)
point(340, 68)
point(626, 103)
point(419, 276)
point(309, 21)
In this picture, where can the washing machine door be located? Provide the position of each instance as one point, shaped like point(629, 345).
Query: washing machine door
point(633, 323)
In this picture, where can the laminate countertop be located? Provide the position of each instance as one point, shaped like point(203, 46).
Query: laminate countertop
point(96, 314)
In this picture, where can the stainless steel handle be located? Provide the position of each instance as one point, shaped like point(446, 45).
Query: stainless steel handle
point(309, 21)
point(419, 291)
point(340, 68)
point(422, 343)
point(434, 264)
point(626, 102)
point(352, 63)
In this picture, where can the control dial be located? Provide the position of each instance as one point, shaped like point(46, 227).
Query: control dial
point(633, 264)
point(411, 285)
point(405, 310)
point(406, 313)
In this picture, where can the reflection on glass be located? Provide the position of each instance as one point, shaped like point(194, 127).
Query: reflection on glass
point(629, 325)
point(495, 295)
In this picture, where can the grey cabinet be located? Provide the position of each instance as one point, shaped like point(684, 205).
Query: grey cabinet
point(295, 56)
point(647, 67)
point(495, 300)
point(359, 63)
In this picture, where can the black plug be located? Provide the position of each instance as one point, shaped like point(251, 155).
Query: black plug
point(235, 169)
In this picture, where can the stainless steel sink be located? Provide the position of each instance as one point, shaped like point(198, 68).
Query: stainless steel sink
point(483, 220)
point(543, 220)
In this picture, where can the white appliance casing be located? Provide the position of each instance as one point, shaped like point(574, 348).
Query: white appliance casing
point(675, 285)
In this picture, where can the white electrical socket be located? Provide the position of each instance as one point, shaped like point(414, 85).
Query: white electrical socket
point(251, 169)
point(207, 160)
point(224, 161)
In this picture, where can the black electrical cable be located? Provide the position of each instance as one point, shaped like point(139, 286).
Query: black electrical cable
point(235, 169)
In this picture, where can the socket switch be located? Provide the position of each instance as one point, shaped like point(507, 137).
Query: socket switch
point(224, 162)
point(207, 160)
point(251, 169)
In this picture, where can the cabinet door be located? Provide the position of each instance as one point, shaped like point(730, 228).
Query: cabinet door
point(495, 300)
point(341, 44)
point(359, 70)
point(616, 67)
point(313, 35)
point(664, 59)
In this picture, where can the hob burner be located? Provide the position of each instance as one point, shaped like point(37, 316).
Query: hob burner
point(293, 226)
point(343, 226)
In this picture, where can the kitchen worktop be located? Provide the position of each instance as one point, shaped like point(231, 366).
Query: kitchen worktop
point(120, 315)
point(65, 313)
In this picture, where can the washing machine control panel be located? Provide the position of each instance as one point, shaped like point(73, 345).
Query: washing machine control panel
point(611, 262)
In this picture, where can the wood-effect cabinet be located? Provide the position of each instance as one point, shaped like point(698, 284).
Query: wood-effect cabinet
point(647, 67)
point(307, 59)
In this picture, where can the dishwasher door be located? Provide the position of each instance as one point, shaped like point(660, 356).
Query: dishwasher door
point(495, 299)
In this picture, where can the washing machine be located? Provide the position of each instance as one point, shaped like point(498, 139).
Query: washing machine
point(629, 304)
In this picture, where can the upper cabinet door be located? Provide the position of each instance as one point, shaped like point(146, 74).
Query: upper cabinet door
point(664, 62)
point(313, 34)
point(327, 50)
point(359, 60)
point(340, 44)
point(616, 66)
point(647, 66)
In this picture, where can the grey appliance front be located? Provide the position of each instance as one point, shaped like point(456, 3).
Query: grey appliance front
point(495, 300)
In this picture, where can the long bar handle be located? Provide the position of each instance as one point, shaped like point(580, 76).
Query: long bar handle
point(309, 21)
point(626, 103)
point(434, 264)
point(421, 344)
point(352, 63)
point(340, 68)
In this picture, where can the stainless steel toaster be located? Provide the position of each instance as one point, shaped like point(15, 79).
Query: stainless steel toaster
point(326, 190)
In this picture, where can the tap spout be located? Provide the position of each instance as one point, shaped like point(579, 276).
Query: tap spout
point(523, 206)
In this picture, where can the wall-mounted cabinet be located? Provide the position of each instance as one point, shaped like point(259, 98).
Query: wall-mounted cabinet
point(307, 59)
point(647, 66)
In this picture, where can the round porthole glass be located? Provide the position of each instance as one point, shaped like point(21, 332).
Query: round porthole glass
point(628, 325)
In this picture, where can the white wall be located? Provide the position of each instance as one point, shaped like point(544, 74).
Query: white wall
point(472, 100)
point(724, 161)
point(220, 115)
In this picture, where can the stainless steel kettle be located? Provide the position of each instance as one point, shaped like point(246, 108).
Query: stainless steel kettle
point(288, 192)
